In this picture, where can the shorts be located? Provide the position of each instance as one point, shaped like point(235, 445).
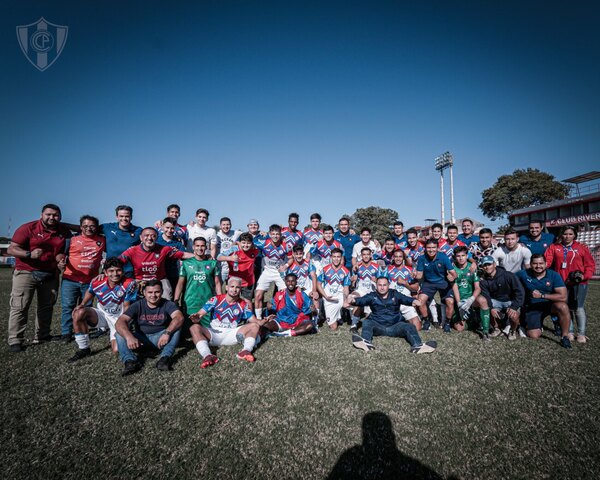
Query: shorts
point(535, 314)
point(333, 311)
point(430, 289)
point(286, 326)
point(223, 336)
point(362, 292)
point(408, 312)
point(267, 277)
point(105, 321)
point(498, 305)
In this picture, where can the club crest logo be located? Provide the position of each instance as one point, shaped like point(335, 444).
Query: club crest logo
point(42, 42)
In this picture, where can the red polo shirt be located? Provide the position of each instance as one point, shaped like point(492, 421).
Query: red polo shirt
point(34, 235)
point(150, 265)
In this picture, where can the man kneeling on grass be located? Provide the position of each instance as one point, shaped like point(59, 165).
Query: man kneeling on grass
point(156, 322)
point(293, 308)
point(385, 318)
point(545, 294)
point(227, 312)
point(114, 294)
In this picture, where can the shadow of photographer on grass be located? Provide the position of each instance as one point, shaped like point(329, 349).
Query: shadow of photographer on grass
point(378, 456)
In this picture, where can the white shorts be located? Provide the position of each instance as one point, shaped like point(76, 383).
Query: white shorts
point(408, 312)
point(362, 292)
point(106, 321)
point(333, 311)
point(267, 277)
point(223, 336)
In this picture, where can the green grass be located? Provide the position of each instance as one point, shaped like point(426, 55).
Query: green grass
point(521, 409)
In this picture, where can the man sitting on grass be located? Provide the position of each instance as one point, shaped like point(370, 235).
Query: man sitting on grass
point(293, 307)
point(156, 322)
point(114, 293)
point(545, 294)
point(227, 311)
point(385, 318)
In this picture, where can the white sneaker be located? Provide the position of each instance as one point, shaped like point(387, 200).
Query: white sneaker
point(522, 333)
point(506, 330)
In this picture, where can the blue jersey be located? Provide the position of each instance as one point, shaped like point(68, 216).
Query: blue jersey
point(302, 271)
point(275, 256)
point(547, 284)
point(227, 315)
point(321, 251)
point(259, 239)
point(537, 246)
point(395, 273)
point(312, 236)
point(366, 275)
point(335, 277)
point(348, 241)
point(292, 308)
point(172, 265)
point(117, 241)
point(291, 238)
point(110, 300)
point(401, 242)
point(415, 253)
point(468, 240)
point(434, 269)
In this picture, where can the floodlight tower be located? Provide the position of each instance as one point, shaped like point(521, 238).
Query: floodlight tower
point(442, 162)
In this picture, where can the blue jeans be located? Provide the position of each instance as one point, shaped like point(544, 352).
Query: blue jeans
point(71, 294)
point(406, 330)
point(147, 338)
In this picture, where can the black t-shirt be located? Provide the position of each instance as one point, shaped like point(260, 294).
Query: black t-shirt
point(151, 320)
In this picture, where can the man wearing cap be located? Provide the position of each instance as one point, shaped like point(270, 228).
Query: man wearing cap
point(38, 248)
point(503, 294)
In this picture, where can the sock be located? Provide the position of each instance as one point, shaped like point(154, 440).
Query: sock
point(259, 313)
point(484, 315)
point(355, 320)
point(82, 340)
point(202, 347)
point(433, 312)
point(287, 333)
point(249, 343)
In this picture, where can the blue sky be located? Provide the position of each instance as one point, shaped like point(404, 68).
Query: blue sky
point(257, 109)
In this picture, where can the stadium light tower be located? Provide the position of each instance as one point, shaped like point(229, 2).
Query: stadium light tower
point(443, 162)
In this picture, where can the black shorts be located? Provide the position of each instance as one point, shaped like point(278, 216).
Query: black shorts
point(535, 314)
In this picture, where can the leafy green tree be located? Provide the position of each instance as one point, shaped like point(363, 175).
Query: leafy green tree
point(379, 220)
point(523, 188)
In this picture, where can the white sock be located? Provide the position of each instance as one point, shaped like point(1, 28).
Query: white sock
point(433, 309)
point(259, 313)
point(82, 340)
point(287, 333)
point(203, 349)
point(249, 343)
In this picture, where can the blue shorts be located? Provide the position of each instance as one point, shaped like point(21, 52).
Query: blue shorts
point(535, 314)
point(430, 290)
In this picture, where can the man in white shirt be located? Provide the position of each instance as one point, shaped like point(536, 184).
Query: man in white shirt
point(512, 256)
point(198, 228)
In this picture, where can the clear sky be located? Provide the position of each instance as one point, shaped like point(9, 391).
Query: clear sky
point(257, 109)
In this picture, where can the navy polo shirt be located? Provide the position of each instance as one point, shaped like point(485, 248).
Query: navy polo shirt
point(547, 284)
point(537, 246)
point(434, 270)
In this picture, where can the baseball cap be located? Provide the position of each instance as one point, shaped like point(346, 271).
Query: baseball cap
point(487, 260)
point(252, 220)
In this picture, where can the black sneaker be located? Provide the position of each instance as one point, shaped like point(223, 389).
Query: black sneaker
point(565, 342)
point(447, 327)
point(354, 330)
point(131, 366)
point(79, 354)
point(164, 364)
point(16, 348)
point(361, 343)
point(100, 332)
point(426, 326)
point(46, 339)
point(66, 338)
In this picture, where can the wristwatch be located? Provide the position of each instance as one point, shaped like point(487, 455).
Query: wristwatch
point(167, 332)
point(28, 254)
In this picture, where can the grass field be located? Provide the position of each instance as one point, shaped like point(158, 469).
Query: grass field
point(310, 407)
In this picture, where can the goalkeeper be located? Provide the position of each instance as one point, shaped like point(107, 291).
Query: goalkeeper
point(466, 290)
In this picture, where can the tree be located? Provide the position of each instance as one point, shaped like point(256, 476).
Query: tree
point(379, 220)
point(524, 188)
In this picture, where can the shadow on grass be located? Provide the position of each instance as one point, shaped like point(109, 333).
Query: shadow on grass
point(378, 456)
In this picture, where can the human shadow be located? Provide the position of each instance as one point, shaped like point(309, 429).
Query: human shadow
point(378, 456)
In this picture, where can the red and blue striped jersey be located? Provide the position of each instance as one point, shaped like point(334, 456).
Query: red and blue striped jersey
point(291, 238)
point(339, 277)
point(110, 300)
point(227, 315)
point(321, 251)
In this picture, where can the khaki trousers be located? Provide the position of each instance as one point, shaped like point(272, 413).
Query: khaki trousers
point(24, 286)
